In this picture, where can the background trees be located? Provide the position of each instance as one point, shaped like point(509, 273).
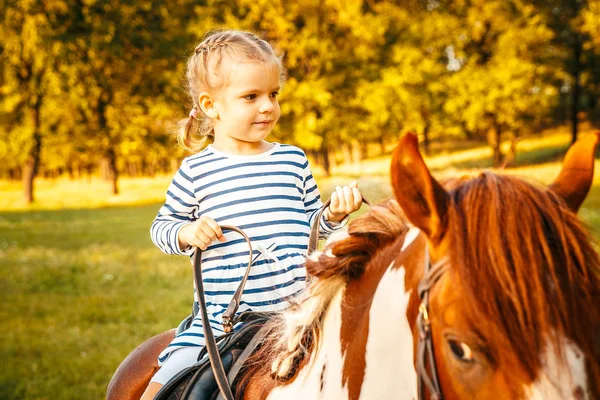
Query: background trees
point(96, 86)
point(30, 87)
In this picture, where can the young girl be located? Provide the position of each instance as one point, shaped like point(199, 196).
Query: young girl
point(266, 189)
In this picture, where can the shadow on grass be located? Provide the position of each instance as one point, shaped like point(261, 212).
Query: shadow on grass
point(539, 156)
point(522, 158)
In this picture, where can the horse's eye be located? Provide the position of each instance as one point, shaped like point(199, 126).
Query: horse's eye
point(461, 351)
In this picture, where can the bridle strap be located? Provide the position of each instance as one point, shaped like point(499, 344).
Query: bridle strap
point(211, 344)
point(313, 239)
point(425, 349)
point(432, 274)
point(233, 306)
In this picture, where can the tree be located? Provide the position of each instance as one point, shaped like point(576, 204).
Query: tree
point(499, 85)
point(410, 89)
point(121, 57)
point(28, 81)
point(572, 51)
point(590, 26)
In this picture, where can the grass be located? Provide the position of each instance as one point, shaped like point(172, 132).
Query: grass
point(63, 193)
point(80, 288)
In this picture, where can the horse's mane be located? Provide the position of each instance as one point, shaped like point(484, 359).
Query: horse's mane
point(294, 334)
point(527, 262)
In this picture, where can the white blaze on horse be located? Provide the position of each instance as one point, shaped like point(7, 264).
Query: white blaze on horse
point(490, 290)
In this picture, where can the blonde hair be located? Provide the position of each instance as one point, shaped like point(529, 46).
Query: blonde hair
point(202, 74)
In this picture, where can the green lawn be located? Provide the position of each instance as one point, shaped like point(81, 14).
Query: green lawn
point(81, 288)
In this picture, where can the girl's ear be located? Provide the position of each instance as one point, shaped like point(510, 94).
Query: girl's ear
point(207, 105)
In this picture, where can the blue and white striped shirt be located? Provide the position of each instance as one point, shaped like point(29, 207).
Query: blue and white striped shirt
point(273, 198)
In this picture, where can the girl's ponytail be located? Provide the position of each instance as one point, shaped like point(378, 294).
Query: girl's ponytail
point(193, 133)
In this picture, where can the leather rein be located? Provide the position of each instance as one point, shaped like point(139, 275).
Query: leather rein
point(209, 338)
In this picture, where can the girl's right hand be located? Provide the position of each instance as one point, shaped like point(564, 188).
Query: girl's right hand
point(200, 233)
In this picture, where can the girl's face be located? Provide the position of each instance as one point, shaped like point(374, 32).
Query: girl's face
point(246, 106)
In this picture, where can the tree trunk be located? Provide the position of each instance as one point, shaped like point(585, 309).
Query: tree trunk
point(30, 169)
point(426, 138)
point(14, 174)
point(364, 150)
point(576, 89)
point(28, 178)
point(381, 141)
point(112, 168)
point(89, 171)
point(110, 157)
point(496, 146)
point(326, 163)
point(593, 100)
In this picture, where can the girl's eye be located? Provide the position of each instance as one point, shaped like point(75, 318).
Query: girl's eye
point(461, 351)
point(274, 95)
point(250, 96)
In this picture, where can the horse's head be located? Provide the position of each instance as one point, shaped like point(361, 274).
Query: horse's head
point(516, 313)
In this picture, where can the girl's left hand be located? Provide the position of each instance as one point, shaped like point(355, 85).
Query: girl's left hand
point(344, 201)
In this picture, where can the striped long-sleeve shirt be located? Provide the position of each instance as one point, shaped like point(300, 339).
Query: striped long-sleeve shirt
point(273, 198)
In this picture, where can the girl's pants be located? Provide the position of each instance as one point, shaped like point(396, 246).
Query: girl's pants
point(177, 361)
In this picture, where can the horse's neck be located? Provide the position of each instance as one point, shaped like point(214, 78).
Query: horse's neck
point(317, 378)
point(366, 348)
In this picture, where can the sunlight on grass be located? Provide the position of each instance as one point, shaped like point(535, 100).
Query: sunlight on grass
point(84, 193)
point(74, 315)
point(93, 193)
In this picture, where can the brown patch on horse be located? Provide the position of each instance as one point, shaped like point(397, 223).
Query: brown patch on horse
point(522, 253)
point(356, 308)
point(365, 262)
point(344, 260)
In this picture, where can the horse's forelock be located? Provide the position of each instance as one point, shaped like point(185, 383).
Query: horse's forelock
point(527, 261)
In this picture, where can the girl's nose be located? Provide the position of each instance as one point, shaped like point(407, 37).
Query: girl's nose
point(266, 106)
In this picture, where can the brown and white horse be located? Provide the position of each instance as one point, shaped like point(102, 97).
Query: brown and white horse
point(514, 316)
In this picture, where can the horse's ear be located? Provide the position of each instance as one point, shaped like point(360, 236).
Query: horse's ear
point(577, 173)
point(422, 198)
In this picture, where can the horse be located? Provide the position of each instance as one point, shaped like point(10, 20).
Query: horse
point(473, 287)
